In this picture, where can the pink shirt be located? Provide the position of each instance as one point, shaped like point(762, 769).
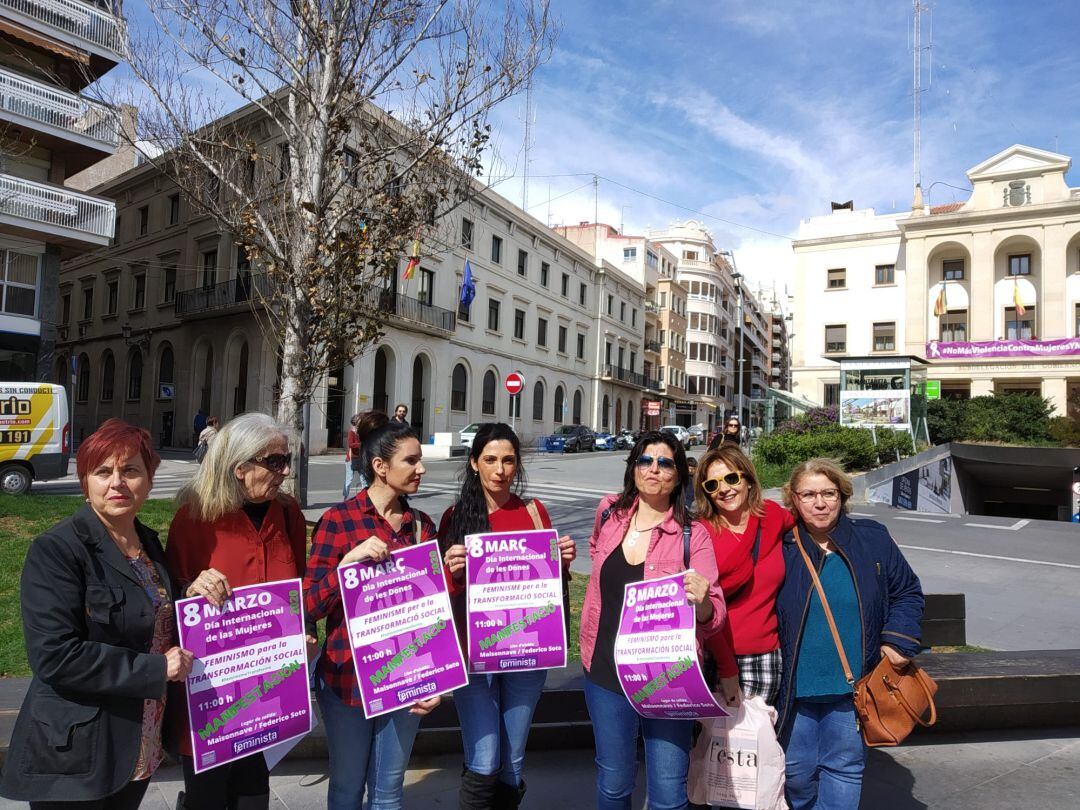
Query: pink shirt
point(663, 558)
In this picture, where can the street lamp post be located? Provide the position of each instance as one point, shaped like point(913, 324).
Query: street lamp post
point(737, 278)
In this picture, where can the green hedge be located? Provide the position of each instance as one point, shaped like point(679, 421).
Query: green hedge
point(1008, 418)
point(853, 447)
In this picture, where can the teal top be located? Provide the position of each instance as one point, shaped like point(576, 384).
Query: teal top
point(818, 673)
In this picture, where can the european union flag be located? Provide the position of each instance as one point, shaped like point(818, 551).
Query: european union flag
point(468, 288)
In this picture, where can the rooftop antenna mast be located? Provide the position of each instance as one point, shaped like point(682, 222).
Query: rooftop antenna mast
point(918, 7)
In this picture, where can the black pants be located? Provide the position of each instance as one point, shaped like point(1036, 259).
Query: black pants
point(240, 785)
point(128, 797)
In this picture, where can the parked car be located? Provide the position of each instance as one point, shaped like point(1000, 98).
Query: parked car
point(625, 439)
point(680, 433)
point(605, 441)
point(572, 439)
point(468, 434)
point(697, 434)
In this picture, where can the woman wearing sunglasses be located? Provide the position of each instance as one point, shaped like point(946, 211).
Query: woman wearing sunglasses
point(746, 532)
point(638, 535)
point(233, 528)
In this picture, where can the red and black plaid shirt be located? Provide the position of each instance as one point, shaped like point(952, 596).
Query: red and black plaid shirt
point(342, 528)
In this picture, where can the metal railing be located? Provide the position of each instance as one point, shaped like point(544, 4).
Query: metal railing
point(87, 22)
point(55, 205)
point(652, 307)
point(239, 290)
point(59, 108)
point(412, 309)
point(652, 345)
point(624, 375)
point(654, 385)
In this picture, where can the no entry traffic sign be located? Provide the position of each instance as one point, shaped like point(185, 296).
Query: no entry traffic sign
point(514, 383)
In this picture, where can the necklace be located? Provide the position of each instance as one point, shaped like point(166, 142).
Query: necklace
point(635, 532)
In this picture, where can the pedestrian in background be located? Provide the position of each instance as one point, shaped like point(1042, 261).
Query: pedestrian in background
point(401, 413)
point(877, 604)
point(365, 754)
point(352, 456)
point(100, 630)
point(494, 710)
point(732, 433)
point(197, 426)
point(688, 492)
point(363, 424)
point(234, 528)
point(205, 437)
point(638, 535)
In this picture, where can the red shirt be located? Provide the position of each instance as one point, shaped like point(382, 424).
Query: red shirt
point(244, 556)
point(750, 590)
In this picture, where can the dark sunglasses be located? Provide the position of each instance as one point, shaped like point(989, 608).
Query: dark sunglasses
point(275, 462)
point(732, 424)
point(732, 479)
point(663, 462)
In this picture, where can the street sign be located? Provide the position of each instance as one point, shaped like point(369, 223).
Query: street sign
point(652, 408)
point(514, 383)
point(933, 389)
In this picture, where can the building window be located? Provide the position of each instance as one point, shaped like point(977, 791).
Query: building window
point(545, 269)
point(954, 326)
point(607, 352)
point(1020, 265)
point(82, 381)
point(610, 304)
point(87, 303)
point(487, 405)
point(493, 316)
point(577, 408)
point(459, 383)
point(138, 293)
point(284, 161)
point(622, 311)
point(1020, 327)
point(885, 337)
point(426, 293)
point(65, 308)
point(580, 346)
point(108, 376)
point(168, 283)
point(952, 270)
point(633, 317)
point(166, 370)
point(582, 294)
point(209, 267)
point(112, 296)
point(350, 167)
point(629, 254)
point(134, 389)
point(565, 285)
point(837, 278)
point(690, 255)
point(835, 339)
point(496, 249)
point(174, 208)
point(523, 263)
point(462, 309)
point(832, 394)
point(884, 274)
point(519, 324)
point(562, 339)
point(538, 402)
point(541, 332)
point(466, 233)
point(18, 289)
point(560, 404)
point(144, 220)
point(604, 412)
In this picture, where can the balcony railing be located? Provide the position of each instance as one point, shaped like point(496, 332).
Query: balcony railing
point(652, 307)
point(412, 309)
point(654, 385)
point(652, 345)
point(624, 375)
point(58, 108)
point(235, 291)
point(56, 206)
point(92, 24)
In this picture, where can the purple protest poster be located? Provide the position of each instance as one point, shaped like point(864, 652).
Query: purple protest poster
point(514, 592)
point(656, 653)
point(401, 629)
point(248, 689)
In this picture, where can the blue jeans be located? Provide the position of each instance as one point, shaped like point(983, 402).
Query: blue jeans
point(495, 712)
point(667, 752)
point(825, 756)
point(348, 479)
point(363, 752)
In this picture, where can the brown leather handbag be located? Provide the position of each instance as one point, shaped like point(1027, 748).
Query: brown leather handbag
point(888, 701)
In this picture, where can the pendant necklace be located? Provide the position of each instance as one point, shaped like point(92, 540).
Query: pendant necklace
point(635, 533)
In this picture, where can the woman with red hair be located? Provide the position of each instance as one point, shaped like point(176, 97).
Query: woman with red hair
point(97, 611)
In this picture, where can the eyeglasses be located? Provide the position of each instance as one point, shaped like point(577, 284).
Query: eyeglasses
point(827, 495)
point(732, 479)
point(732, 424)
point(663, 462)
point(274, 462)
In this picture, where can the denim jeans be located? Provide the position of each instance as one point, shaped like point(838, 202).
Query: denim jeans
point(371, 753)
point(348, 479)
point(495, 712)
point(825, 756)
point(667, 752)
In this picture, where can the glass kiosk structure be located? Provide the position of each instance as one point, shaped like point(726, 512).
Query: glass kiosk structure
point(884, 392)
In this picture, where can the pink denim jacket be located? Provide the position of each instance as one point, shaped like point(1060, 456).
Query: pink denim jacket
point(663, 558)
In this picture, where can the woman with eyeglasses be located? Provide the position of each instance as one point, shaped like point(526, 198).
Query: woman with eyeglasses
point(495, 710)
point(638, 535)
point(234, 528)
point(876, 602)
point(746, 532)
point(365, 754)
point(732, 433)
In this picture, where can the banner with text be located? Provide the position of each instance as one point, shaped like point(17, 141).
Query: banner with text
point(401, 629)
point(515, 601)
point(248, 689)
point(656, 652)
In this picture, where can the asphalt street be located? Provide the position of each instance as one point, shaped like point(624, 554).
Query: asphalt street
point(1020, 577)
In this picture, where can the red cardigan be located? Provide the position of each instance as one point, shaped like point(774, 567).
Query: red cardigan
point(751, 628)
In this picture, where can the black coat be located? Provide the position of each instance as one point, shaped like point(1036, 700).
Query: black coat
point(88, 624)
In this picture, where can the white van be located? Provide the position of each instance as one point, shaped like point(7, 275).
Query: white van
point(35, 435)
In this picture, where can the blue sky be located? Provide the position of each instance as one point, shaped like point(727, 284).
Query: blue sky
point(762, 112)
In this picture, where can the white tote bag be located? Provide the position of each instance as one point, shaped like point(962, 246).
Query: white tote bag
point(737, 761)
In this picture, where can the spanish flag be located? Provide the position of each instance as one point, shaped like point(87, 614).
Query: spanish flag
point(414, 259)
point(941, 306)
point(1020, 311)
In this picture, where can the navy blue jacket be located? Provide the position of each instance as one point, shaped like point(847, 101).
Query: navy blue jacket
point(890, 597)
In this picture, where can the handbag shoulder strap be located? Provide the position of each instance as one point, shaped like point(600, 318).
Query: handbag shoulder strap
point(828, 611)
point(534, 513)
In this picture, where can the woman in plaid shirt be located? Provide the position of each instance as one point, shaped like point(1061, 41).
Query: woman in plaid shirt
point(365, 753)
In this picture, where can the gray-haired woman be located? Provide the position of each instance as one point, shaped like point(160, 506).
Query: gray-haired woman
point(235, 528)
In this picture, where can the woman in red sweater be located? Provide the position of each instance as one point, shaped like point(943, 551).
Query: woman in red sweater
point(495, 710)
point(746, 532)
